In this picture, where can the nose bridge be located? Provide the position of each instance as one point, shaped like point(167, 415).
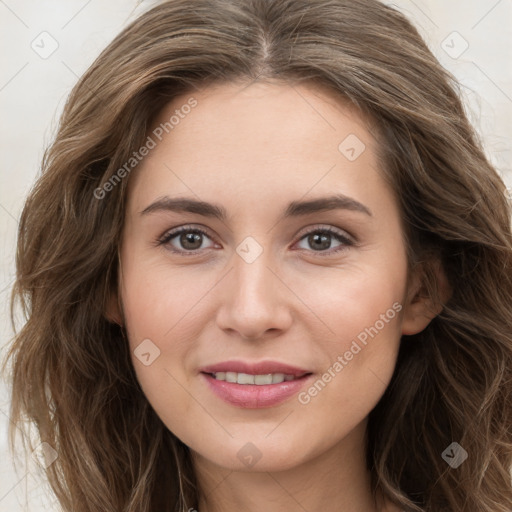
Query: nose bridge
point(254, 302)
point(251, 273)
point(254, 280)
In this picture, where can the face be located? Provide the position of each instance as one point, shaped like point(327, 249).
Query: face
point(298, 301)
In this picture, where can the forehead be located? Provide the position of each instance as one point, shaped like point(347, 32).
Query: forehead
point(261, 137)
point(264, 112)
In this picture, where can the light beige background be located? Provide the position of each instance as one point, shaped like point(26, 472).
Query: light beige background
point(33, 90)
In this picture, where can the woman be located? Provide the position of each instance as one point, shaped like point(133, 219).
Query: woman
point(268, 267)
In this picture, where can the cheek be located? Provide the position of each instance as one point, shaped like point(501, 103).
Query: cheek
point(355, 297)
point(159, 301)
point(360, 366)
point(160, 337)
point(362, 306)
point(161, 308)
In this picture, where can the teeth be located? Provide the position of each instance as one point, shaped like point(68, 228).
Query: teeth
point(279, 377)
point(262, 379)
point(245, 378)
point(259, 380)
point(231, 376)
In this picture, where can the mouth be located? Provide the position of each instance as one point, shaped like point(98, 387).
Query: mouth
point(257, 380)
point(254, 386)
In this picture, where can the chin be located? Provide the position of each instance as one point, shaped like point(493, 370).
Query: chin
point(256, 455)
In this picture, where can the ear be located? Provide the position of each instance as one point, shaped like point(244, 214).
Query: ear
point(113, 310)
point(420, 306)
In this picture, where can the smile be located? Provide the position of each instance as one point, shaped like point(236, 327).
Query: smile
point(258, 380)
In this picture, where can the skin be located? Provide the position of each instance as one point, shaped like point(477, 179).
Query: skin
point(252, 149)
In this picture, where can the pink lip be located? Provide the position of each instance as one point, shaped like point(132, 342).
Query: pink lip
point(250, 396)
point(260, 368)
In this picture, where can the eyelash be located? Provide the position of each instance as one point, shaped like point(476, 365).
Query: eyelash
point(168, 236)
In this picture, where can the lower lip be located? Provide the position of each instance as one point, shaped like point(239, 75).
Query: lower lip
point(252, 396)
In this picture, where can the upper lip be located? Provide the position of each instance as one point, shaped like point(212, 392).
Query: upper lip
point(255, 368)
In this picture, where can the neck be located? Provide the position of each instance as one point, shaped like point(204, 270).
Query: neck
point(332, 481)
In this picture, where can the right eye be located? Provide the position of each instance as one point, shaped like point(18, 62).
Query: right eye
point(189, 238)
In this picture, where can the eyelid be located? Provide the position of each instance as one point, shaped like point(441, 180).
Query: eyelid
point(329, 228)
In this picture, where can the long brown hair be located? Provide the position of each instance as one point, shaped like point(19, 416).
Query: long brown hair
point(72, 373)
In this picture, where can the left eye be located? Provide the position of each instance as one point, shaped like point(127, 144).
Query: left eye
point(191, 240)
point(320, 239)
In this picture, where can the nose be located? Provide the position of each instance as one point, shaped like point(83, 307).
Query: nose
point(254, 301)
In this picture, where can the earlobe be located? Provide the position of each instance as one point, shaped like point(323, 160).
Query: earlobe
point(421, 307)
point(418, 315)
point(113, 310)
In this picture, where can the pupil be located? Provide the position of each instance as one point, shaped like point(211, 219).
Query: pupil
point(323, 239)
point(190, 238)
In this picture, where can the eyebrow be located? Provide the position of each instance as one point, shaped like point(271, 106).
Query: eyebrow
point(294, 209)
